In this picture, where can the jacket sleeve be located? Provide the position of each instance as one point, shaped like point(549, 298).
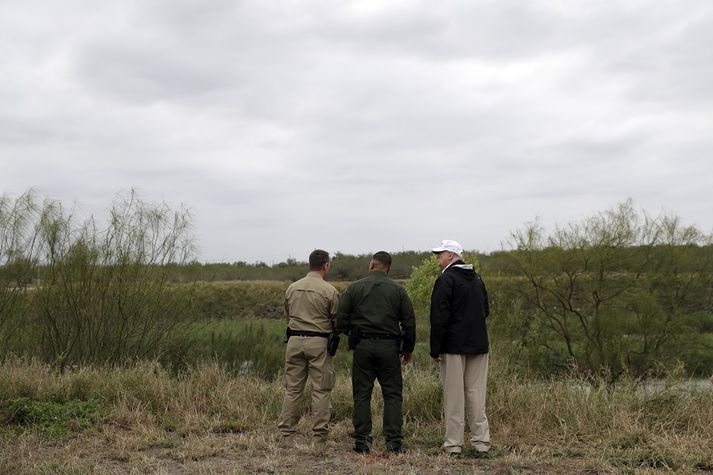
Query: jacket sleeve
point(486, 304)
point(440, 314)
point(407, 318)
point(344, 312)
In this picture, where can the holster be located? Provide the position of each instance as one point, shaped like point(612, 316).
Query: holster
point(402, 338)
point(354, 337)
point(332, 343)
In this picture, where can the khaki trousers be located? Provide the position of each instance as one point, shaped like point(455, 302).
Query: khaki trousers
point(464, 380)
point(306, 356)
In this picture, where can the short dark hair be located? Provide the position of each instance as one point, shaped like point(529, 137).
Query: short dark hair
point(317, 259)
point(383, 258)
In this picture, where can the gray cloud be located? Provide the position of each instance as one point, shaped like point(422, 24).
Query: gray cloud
point(396, 124)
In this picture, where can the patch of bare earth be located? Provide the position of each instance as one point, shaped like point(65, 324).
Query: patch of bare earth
point(114, 450)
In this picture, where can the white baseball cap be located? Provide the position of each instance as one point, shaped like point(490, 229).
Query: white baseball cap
point(450, 246)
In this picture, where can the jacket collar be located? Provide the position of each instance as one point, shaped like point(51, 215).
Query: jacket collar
point(459, 264)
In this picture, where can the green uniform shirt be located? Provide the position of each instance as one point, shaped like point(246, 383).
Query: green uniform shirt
point(377, 304)
point(311, 304)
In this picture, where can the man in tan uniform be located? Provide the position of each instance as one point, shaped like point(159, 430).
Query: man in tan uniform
point(310, 306)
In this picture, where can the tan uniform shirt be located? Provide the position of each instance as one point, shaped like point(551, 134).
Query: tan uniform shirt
point(311, 304)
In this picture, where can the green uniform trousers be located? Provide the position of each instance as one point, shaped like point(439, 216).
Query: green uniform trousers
point(377, 359)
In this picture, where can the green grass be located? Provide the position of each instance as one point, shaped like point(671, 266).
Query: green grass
point(251, 346)
point(244, 346)
point(53, 419)
point(241, 299)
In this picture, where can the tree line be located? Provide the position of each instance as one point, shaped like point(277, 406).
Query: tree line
point(344, 267)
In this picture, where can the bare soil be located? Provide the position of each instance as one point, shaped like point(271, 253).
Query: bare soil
point(116, 450)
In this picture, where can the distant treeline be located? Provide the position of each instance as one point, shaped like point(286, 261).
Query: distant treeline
point(346, 267)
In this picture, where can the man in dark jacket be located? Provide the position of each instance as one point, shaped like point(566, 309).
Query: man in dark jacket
point(459, 342)
point(378, 315)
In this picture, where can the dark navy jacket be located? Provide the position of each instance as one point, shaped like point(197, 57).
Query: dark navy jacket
point(459, 309)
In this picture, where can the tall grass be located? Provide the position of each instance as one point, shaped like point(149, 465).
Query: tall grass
point(208, 398)
point(242, 346)
point(613, 429)
point(248, 346)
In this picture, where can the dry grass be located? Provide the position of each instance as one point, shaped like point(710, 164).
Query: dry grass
point(209, 422)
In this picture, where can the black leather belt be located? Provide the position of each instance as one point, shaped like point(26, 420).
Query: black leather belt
point(379, 336)
point(292, 332)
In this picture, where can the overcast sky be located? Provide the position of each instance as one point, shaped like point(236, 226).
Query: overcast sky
point(360, 126)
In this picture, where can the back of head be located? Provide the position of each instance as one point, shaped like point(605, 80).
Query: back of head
point(317, 259)
point(381, 260)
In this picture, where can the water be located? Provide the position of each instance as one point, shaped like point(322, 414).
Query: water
point(658, 385)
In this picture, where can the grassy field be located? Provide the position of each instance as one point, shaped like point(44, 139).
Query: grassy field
point(210, 401)
point(143, 419)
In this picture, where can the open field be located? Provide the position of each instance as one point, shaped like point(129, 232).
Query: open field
point(144, 420)
point(210, 403)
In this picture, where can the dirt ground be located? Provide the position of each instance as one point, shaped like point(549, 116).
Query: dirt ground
point(115, 450)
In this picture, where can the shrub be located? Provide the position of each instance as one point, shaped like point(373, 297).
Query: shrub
point(105, 296)
point(18, 259)
point(611, 294)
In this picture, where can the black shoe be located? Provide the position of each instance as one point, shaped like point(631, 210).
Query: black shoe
point(361, 450)
point(396, 450)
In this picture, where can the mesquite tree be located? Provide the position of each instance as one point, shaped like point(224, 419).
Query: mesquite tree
point(615, 292)
point(105, 296)
point(18, 254)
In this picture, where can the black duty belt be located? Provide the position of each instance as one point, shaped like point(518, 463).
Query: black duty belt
point(292, 332)
point(379, 336)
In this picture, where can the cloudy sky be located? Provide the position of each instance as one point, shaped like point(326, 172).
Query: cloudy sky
point(359, 126)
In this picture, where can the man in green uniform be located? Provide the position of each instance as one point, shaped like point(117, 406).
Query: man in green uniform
point(378, 315)
point(310, 306)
